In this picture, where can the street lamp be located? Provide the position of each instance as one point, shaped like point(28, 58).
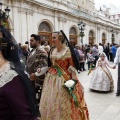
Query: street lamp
point(81, 26)
point(4, 14)
point(112, 37)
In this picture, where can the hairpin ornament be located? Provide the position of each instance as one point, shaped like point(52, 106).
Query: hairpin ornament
point(2, 44)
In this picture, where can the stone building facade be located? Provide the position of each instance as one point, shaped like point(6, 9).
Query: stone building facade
point(45, 16)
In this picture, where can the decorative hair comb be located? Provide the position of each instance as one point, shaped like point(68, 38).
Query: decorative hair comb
point(2, 44)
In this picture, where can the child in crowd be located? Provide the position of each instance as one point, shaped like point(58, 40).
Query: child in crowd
point(102, 78)
point(90, 58)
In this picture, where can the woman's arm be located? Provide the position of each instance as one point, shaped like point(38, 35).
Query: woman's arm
point(109, 65)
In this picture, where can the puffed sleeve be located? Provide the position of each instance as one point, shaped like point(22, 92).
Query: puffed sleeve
point(16, 98)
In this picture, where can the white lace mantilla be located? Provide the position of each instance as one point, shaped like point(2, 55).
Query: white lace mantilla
point(6, 75)
point(60, 55)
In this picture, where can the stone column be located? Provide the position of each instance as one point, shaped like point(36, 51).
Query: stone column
point(56, 22)
point(29, 23)
point(109, 35)
point(16, 23)
point(98, 35)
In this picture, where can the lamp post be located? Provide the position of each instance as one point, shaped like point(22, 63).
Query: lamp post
point(4, 14)
point(112, 37)
point(81, 26)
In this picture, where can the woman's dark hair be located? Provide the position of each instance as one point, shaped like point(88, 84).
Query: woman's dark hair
point(60, 37)
point(10, 50)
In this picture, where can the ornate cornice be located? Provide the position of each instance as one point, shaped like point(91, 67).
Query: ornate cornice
point(25, 10)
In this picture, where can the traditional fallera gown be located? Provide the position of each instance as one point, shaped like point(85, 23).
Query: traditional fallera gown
point(56, 103)
point(101, 79)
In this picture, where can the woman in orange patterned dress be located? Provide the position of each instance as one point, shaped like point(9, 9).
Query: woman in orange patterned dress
point(56, 103)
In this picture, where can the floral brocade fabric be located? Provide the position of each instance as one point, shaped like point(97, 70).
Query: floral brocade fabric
point(56, 103)
point(102, 79)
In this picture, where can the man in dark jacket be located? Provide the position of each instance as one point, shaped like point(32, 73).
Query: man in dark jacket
point(106, 50)
point(76, 52)
point(37, 59)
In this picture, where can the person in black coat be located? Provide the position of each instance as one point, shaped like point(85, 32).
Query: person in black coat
point(106, 50)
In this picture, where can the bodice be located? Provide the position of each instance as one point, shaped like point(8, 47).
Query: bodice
point(102, 63)
point(64, 60)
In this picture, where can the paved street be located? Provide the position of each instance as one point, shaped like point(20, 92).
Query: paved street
point(102, 106)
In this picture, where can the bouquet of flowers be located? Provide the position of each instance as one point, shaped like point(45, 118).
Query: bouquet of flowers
point(91, 68)
point(70, 85)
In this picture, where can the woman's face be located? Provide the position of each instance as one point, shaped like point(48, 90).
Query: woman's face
point(102, 57)
point(55, 40)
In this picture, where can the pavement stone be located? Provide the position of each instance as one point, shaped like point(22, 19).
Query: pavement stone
point(102, 106)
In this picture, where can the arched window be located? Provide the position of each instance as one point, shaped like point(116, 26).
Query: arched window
point(103, 38)
point(91, 37)
point(73, 31)
point(73, 36)
point(45, 32)
point(113, 38)
point(91, 33)
point(44, 26)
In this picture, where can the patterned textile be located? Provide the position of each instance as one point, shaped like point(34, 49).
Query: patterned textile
point(6, 75)
point(37, 59)
point(101, 78)
point(56, 103)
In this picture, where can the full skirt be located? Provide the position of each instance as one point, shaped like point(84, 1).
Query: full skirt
point(57, 104)
point(102, 80)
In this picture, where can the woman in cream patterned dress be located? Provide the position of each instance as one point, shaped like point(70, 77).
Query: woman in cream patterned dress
point(101, 78)
point(56, 103)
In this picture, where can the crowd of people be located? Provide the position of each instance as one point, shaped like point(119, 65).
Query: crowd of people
point(36, 76)
point(90, 53)
point(98, 57)
point(86, 54)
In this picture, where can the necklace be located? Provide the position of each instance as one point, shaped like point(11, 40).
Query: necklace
point(60, 49)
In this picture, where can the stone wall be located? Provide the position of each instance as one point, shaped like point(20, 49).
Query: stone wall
point(26, 16)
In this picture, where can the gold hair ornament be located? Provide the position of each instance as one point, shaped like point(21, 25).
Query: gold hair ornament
point(2, 44)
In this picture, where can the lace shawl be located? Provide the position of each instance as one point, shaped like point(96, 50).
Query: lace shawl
point(6, 75)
